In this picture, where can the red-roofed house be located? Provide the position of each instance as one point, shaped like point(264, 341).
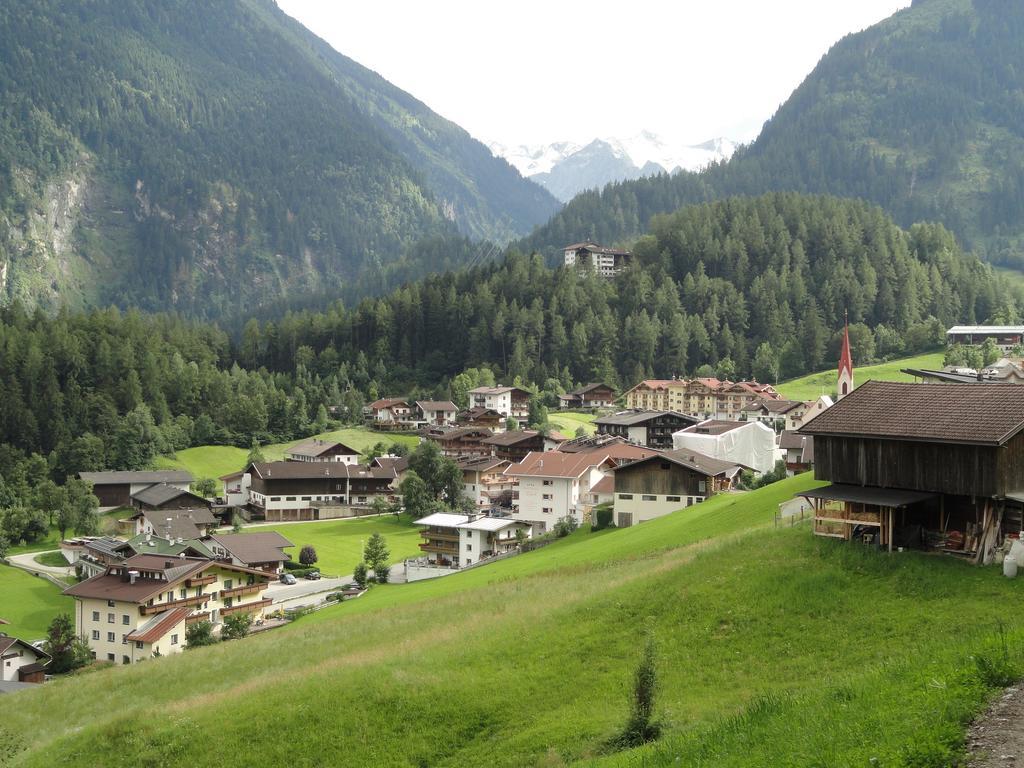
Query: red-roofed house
point(554, 485)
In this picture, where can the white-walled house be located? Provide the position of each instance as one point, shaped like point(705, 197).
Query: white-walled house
point(796, 417)
point(510, 402)
point(21, 662)
point(554, 485)
point(454, 540)
point(322, 450)
point(484, 481)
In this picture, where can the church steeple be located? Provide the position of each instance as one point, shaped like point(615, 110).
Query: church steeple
point(845, 383)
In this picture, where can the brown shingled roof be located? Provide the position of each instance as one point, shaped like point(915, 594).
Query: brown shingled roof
point(943, 413)
point(161, 624)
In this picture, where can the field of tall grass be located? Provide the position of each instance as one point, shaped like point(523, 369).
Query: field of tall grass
point(773, 649)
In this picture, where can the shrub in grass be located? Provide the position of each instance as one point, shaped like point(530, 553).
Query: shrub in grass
point(360, 574)
point(199, 634)
point(641, 727)
point(995, 669)
point(603, 517)
point(565, 526)
point(308, 555)
point(236, 626)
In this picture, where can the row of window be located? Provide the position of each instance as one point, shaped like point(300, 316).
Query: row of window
point(111, 619)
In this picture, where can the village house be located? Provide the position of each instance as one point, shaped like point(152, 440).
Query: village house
point(1003, 371)
point(705, 398)
point(164, 497)
point(797, 450)
point(140, 608)
point(796, 417)
point(513, 445)
point(397, 464)
point(594, 395)
point(510, 402)
point(290, 490)
point(322, 450)
point(933, 466)
point(772, 413)
point(459, 540)
point(21, 662)
point(391, 413)
point(91, 555)
point(1006, 337)
point(173, 523)
point(115, 489)
point(658, 485)
point(460, 442)
point(436, 412)
point(262, 551)
point(484, 481)
point(554, 485)
point(749, 443)
point(617, 449)
point(485, 418)
point(604, 262)
point(653, 429)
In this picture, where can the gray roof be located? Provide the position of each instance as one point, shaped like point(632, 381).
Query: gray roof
point(941, 413)
point(107, 545)
point(684, 457)
point(317, 447)
point(179, 523)
point(263, 547)
point(127, 477)
point(884, 497)
point(633, 418)
point(308, 470)
point(161, 493)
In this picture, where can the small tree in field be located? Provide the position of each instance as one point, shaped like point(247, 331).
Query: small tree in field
point(67, 651)
point(206, 487)
point(360, 574)
point(236, 626)
point(199, 634)
point(376, 555)
point(307, 555)
point(380, 506)
point(641, 728)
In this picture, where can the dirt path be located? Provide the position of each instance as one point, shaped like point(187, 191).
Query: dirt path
point(997, 737)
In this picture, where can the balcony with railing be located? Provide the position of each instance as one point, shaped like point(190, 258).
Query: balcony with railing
point(255, 605)
point(440, 547)
point(243, 589)
point(185, 602)
point(201, 581)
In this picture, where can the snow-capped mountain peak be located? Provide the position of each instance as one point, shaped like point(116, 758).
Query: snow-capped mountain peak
point(566, 168)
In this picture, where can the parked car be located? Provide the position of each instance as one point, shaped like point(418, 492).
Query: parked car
point(313, 575)
point(287, 578)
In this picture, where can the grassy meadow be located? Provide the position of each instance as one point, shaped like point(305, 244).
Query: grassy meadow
point(108, 525)
point(339, 543)
point(567, 422)
point(774, 649)
point(824, 383)
point(218, 460)
point(28, 603)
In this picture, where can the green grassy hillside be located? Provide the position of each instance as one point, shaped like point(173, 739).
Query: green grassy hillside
point(339, 543)
point(824, 382)
point(774, 649)
point(28, 604)
point(218, 460)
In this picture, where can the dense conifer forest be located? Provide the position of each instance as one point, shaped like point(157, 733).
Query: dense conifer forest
point(920, 113)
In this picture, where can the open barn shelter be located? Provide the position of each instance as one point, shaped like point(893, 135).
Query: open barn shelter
point(933, 466)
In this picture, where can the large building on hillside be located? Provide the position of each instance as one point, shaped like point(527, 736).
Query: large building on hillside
point(1006, 337)
point(115, 489)
point(705, 398)
point(141, 607)
point(554, 485)
point(604, 262)
point(653, 429)
point(510, 402)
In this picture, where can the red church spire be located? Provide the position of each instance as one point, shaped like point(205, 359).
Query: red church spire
point(845, 361)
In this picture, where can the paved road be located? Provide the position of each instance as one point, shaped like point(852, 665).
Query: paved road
point(27, 562)
point(304, 593)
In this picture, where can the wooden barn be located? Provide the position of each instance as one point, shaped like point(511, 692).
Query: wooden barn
point(934, 466)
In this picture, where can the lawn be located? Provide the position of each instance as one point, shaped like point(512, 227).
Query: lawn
point(217, 460)
point(29, 603)
point(824, 383)
point(774, 648)
point(339, 543)
point(108, 525)
point(568, 422)
point(52, 559)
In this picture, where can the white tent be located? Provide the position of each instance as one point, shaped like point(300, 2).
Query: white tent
point(750, 443)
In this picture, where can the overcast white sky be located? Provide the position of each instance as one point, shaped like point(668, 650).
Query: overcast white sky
point(538, 72)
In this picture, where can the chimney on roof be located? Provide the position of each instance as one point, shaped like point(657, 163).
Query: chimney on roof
point(168, 563)
point(132, 576)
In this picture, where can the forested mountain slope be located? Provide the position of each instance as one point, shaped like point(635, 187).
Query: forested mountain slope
point(922, 113)
point(206, 157)
point(746, 285)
